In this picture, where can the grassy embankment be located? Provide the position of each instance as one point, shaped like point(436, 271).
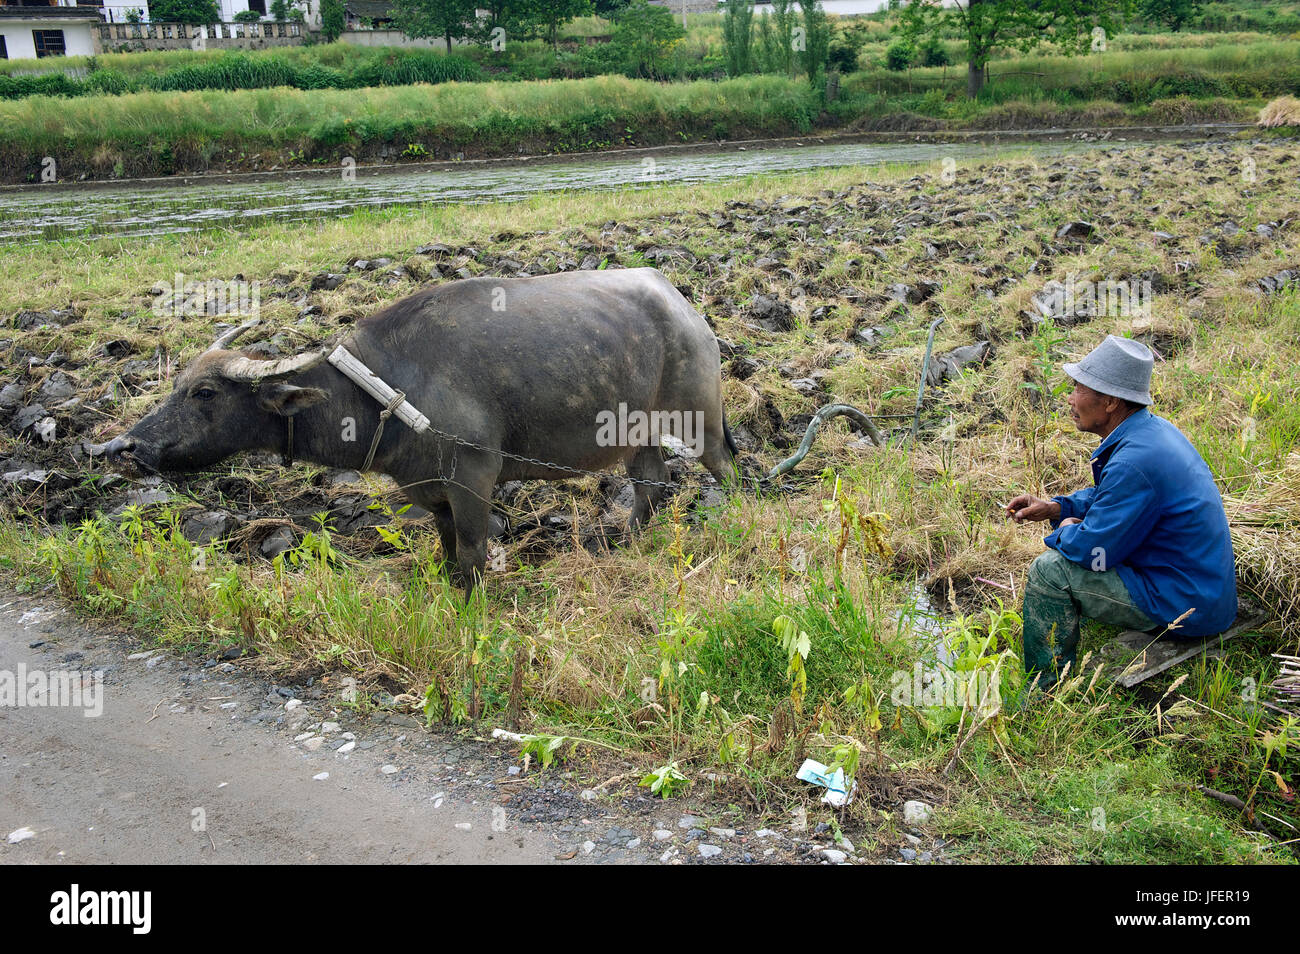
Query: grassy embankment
point(566, 640)
point(185, 129)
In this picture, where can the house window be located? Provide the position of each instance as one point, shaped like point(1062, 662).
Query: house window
point(257, 6)
point(4, 52)
point(49, 42)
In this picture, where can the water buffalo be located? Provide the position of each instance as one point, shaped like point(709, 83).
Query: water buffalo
point(565, 368)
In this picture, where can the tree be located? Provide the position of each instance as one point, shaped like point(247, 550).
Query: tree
point(645, 35)
point(738, 36)
point(507, 15)
point(547, 16)
point(285, 10)
point(449, 19)
point(1172, 13)
point(246, 16)
point(816, 45)
point(847, 40)
point(196, 12)
point(776, 38)
point(1022, 24)
point(332, 20)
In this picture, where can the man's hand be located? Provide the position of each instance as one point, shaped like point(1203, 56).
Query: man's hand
point(1069, 520)
point(1026, 507)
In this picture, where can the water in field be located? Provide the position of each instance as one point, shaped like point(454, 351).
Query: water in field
point(59, 212)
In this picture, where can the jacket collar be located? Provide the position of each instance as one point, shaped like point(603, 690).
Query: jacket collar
point(1128, 425)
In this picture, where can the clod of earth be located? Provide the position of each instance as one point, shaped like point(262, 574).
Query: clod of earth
point(772, 314)
point(1075, 231)
point(1272, 284)
point(945, 367)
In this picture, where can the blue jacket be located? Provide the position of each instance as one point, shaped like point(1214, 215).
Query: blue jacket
point(1156, 517)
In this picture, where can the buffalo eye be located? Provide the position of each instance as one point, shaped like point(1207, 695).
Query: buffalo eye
point(204, 394)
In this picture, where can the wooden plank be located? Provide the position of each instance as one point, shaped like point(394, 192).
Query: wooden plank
point(1156, 654)
point(377, 388)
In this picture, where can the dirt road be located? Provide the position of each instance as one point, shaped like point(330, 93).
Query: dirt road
point(135, 782)
point(194, 759)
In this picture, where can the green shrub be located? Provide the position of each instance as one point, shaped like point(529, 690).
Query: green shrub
point(934, 53)
point(315, 76)
point(184, 11)
point(111, 82)
point(1195, 85)
point(48, 84)
point(899, 56)
point(843, 58)
point(334, 131)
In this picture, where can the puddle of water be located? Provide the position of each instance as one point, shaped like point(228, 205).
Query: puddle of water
point(33, 216)
point(927, 625)
point(933, 680)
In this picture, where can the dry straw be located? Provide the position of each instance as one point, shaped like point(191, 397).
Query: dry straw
point(1266, 539)
point(1283, 111)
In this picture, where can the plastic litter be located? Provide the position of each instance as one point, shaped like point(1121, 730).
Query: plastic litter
point(838, 793)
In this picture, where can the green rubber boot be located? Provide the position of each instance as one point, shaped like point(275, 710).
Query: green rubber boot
point(1051, 634)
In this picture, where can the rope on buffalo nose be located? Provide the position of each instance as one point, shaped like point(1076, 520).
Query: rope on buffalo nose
point(398, 398)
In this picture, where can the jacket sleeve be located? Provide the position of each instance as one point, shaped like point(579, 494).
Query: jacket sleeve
point(1119, 516)
point(1075, 504)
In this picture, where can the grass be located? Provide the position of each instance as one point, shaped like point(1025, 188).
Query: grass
point(1254, 66)
point(189, 112)
point(173, 132)
point(669, 649)
point(236, 70)
point(345, 57)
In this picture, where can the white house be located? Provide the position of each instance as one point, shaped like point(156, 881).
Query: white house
point(118, 11)
point(28, 32)
point(115, 10)
point(112, 11)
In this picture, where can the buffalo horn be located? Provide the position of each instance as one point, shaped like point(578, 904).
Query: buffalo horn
point(255, 369)
point(225, 340)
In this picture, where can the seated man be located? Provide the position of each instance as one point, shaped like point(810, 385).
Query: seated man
point(1144, 548)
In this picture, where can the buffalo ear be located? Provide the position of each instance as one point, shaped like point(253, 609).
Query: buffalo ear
point(287, 399)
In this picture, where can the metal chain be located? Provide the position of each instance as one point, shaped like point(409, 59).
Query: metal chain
point(662, 484)
point(666, 485)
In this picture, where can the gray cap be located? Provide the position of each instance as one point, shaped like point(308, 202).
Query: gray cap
point(1119, 367)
